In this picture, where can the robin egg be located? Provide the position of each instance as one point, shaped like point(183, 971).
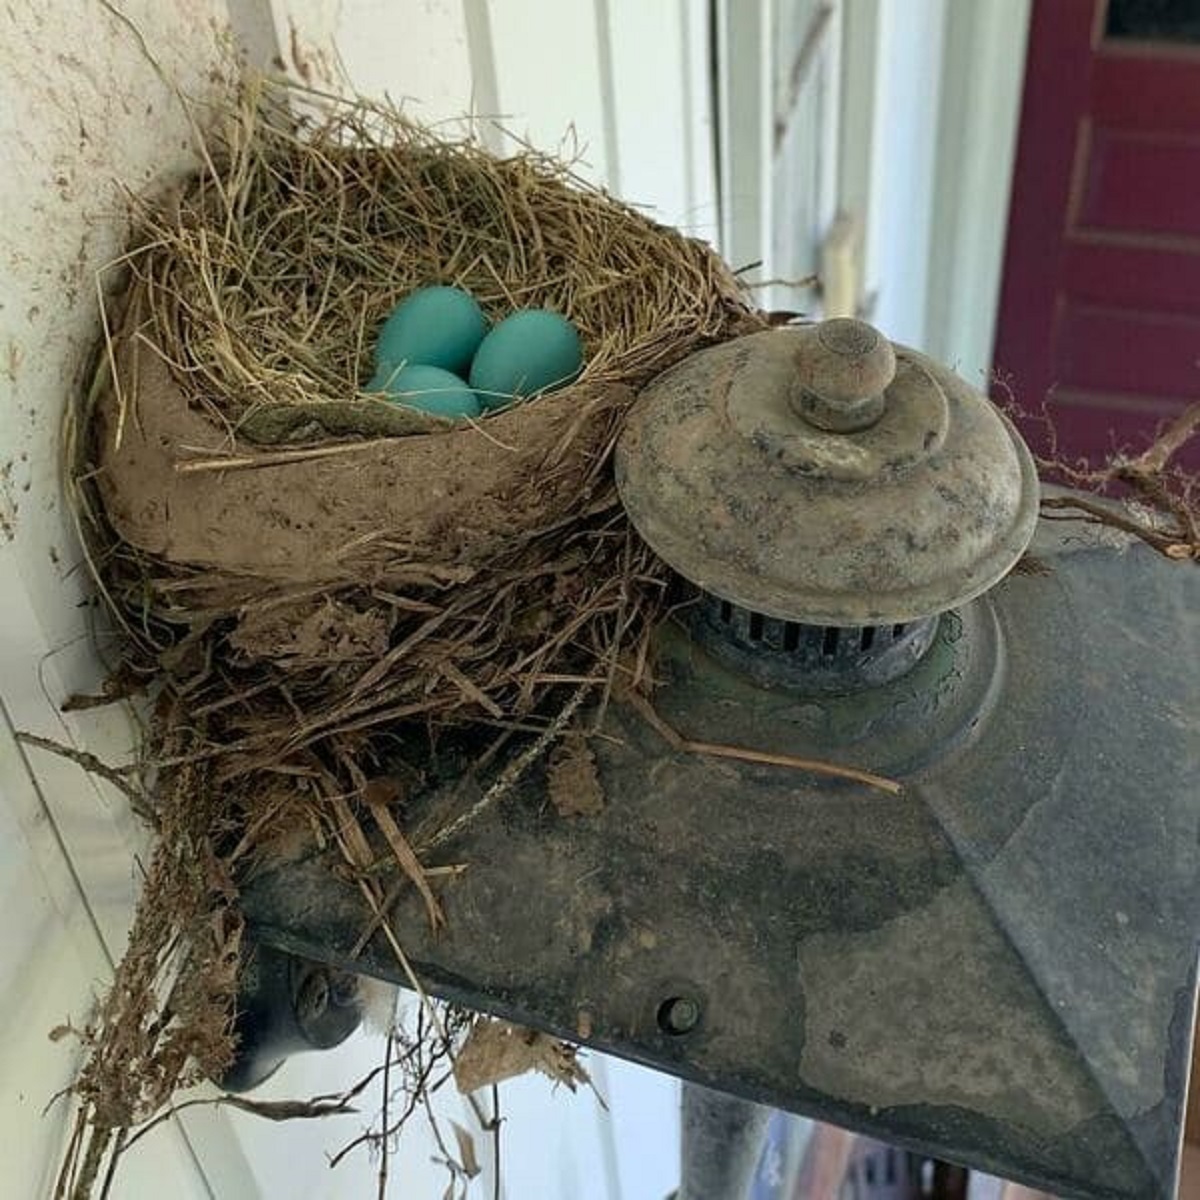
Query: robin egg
point(531, 352)
point(426, 389)
point(433, 327)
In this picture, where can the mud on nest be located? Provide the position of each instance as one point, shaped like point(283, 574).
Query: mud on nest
point(294, 576)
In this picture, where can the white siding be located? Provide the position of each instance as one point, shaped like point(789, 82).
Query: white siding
point(983, 69)
point(779, 110)
point(661, 93)
point(553, 80)
point(900, 222)
point(52, 960)
point(930, 100)
point(621, 87)
point(83, 108)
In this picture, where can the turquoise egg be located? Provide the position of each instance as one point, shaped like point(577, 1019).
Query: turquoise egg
point(426, 389)
point(530, 352)
point(435, 327)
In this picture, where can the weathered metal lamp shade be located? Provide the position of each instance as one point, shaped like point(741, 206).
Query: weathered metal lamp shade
point(818, 474)
point(995, 966)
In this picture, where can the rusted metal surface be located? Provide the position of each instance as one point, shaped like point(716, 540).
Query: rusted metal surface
point(996, 967)
point(816, 474)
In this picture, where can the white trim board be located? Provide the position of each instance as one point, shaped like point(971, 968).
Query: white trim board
point(982, 78)
point(930, 104)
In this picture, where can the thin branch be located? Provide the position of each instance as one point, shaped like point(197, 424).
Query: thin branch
point(383, 1142)
point(496, 1122)
point(1095, 511)
point(88, 762)
point(508, 778)
point(717, 750)
point(1168, 443)
point(274, 458)
point(406, 859)
point(271, 1110)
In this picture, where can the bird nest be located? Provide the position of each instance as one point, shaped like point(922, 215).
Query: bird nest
point(308, 582)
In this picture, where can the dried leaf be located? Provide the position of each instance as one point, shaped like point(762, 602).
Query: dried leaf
point(466, 1151)
point(496, 1050)
point(311, 632)
point(572, 779)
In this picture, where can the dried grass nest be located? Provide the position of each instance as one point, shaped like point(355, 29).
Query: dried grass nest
point(248, 501)
point(295, 570)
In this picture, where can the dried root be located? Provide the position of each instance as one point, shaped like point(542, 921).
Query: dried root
point(1147, 495)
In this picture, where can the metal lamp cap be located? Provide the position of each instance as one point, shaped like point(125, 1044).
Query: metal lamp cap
point(822, 475)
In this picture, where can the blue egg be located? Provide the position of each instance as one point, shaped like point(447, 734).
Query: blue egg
point(434, 327)
point(426, 389)
point(531, 352)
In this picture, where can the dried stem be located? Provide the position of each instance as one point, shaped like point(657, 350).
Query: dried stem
point(384, 1143)
point(1147, 495)
point(717, 750)
point(496, 1125)
point(511, 775)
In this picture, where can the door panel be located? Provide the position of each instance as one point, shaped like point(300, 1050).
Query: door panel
point(1094, 345)
point(1150, 277)
point(805, 73)
point(1100, 304)
point(1150, 87)
point(1131, 183)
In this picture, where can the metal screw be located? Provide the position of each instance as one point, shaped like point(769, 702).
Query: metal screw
point(345, 989)
point(678, 1015)
point(312, 997)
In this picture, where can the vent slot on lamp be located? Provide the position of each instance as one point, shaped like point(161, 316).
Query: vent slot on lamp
point(814, 659)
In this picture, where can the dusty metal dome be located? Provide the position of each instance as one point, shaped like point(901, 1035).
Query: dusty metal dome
point(820, 474)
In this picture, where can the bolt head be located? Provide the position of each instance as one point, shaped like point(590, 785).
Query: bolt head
point(678, 1015)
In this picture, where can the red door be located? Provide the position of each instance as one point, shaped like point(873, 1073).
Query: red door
point(1100, 301)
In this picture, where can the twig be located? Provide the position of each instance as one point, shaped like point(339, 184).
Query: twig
point(357, 852)
point(383, 1141)
point(448, 1159)
point(513, 772)
point(496, 1139)
point(271, 1110)
point(1169, 442)
point(274, 458)
point(1095, 511)
point(392, 895)
point(717, 750)
point(1176, 545)
point(408, 862)
point(88, 762)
